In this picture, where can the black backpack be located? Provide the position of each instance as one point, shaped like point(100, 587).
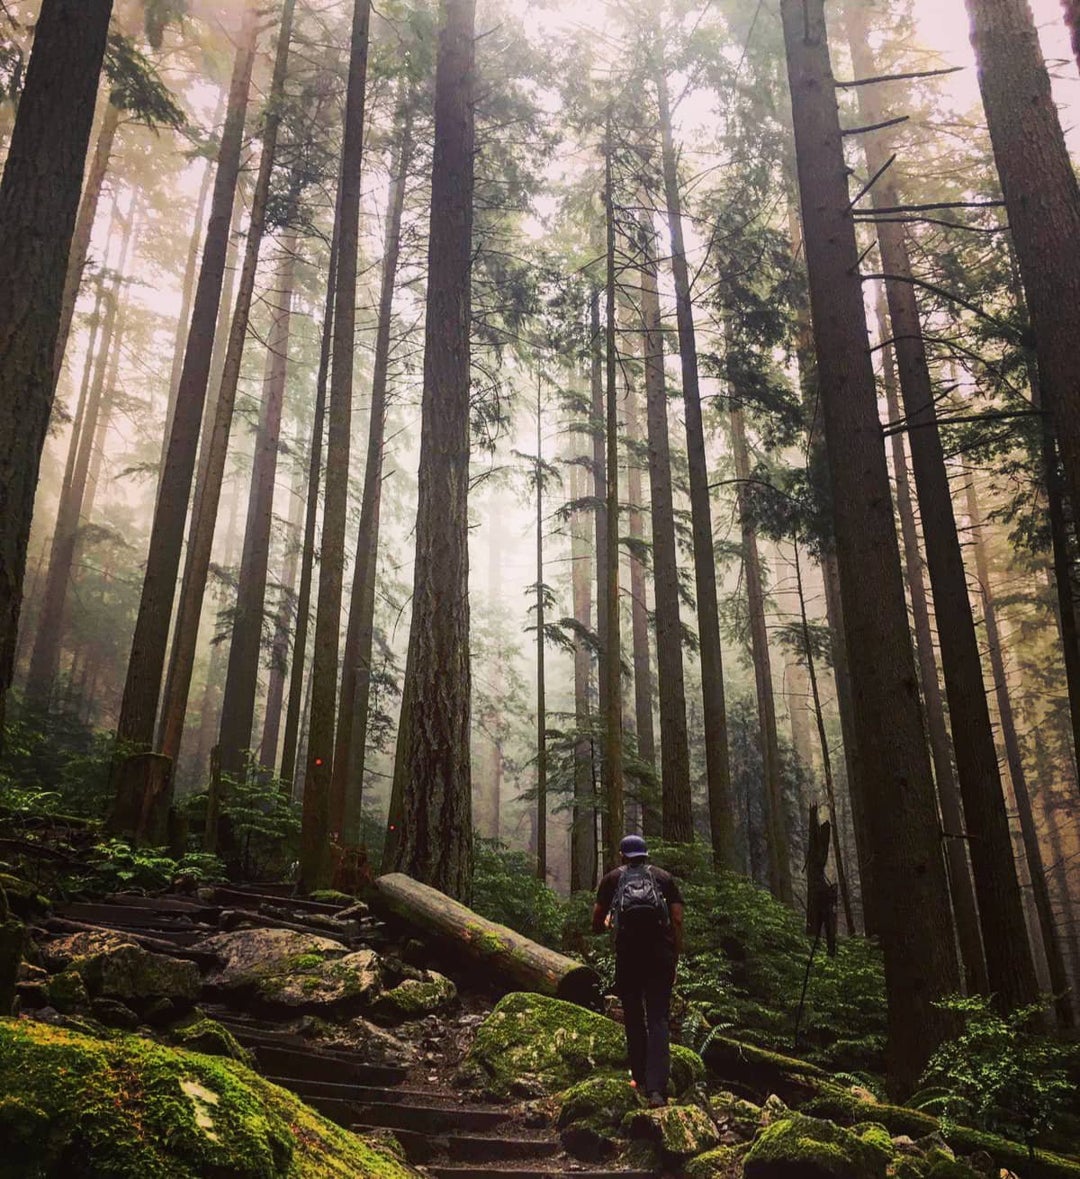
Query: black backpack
point(638, 907)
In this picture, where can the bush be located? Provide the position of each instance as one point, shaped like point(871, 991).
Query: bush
point(506, 889)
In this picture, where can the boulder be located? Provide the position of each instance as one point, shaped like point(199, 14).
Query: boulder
point(67, 992)
point(129, 1108)
point(735, 1116)
point(531, 1044)
point(414, 998)
point(799, 1147)
point(680, 1131)
point(722, 1162)
point(23, 898)
point(113, 968)
point(377, 1045)
point(590, 1113)
point(280, 968)
point(200, 1033)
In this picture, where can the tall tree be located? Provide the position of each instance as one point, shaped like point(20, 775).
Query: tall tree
point(541, 639)
point(39, 201)
point(1008, 958)
point(915, 924)
point(1042, 199)
point(142, 686)
point(355, 697)
point(432, 789)
point(245, 648)
point(212, 466)
point(315, 861)
point(775, 818)
point(717, 762)
point(677, 822)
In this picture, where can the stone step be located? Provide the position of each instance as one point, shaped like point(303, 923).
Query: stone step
point(309, 1064)
point(423, 1119)
point(420, 1149)
point(551, 1171)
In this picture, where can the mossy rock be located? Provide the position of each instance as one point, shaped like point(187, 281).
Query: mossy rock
point(118, 969)
point(680, 1131)
point(414, 998)
point(799, 1147)
point(600, 1100)
point(283, 969)
point(532, 1043)
point(67, 992)
point(200, 1033)
point(722, 1162)
point(952, 1169)
point(127, 1108)
point(23, 898)
point(842, 1106)
point(735, 1115)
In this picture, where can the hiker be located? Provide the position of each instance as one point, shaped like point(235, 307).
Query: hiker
point(643, 905)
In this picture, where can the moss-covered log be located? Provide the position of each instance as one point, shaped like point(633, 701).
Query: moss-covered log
point(760, 1072)
point(507, 958)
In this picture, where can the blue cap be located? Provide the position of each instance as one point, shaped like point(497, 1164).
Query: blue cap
point(633, 845)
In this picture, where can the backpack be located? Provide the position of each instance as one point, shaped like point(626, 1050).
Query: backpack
point(638, 907)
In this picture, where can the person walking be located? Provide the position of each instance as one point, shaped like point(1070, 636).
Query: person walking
point(644, 907)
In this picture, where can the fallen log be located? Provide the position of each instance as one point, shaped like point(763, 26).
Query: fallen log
point(508, 959)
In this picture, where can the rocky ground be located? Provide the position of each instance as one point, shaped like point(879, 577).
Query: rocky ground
point(236, 1033)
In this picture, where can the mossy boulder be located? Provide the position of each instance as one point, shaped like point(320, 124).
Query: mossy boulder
point(126, 1108)
point(280, 968)
point(23, 898)
point(602, 1100)
point(722, 1162)
point(200, 1033)
point(67, 992)
point(800, 1147)
point(114, 968)
point(734, 1115)
point(952, 1169)
point(531, 1043)
point(413, 998)
point(680, 1131)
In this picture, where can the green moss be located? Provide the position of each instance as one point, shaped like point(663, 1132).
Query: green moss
point(723, 1162)
point(605, 1100)
point(130, 1109)
point(304, 962)
point(808, 1148)
point(735, 1114)
point(679, 1130)
point(199, 1033)
point(331, 896)
point(23, 898)
point(67, 992)
point(876, 1137)
point(952, 1169)
point(841, 1106)
point(532, 1041)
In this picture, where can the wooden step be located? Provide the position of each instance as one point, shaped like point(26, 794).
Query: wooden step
point(423, 1119)
point(306, 1087)
point(242, 898)
point(420, 1148)
point(551, 1171)
point(196, 910)
point(319, 1065)
point(135, 916)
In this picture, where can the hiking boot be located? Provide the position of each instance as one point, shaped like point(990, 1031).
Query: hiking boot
point(657, 1101)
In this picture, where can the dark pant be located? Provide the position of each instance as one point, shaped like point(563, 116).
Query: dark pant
point(643, 981)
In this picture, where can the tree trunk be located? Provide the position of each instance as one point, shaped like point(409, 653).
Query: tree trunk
point(433, 841)
point(775, 819)
point(639, 609)
point(718, 767)
point(505, 957)
point(1042, 200)
point(187, 293)
point(613, 787)
point(39, 200)
point(84, 227)
point(212, 469)
point(283, 625)
point(600, 499)
point(108, 405)
point(1055, 960)
point(245, 647)
point(45, 657)
point(583, 829)
point(541, 685)
point(138, 709)
point(1001, 914)
point(315, 860)
point(1072, 23)
point(965, 909)
point(677, 822)
point(916, 932)
point(350, 749)
point(296, 708)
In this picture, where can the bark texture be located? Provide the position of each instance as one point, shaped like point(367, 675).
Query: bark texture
point(915, 925)
point(432, 774)
point(39, 201)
